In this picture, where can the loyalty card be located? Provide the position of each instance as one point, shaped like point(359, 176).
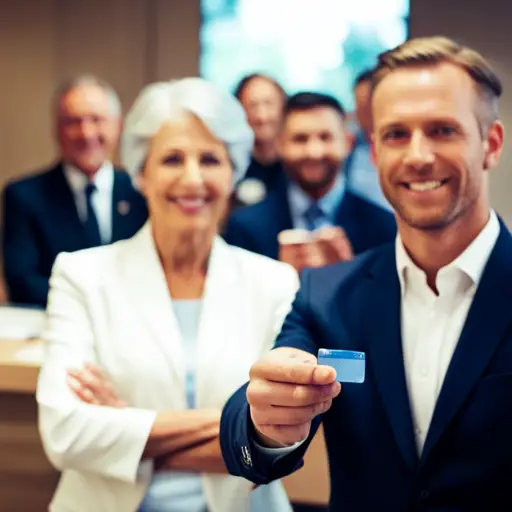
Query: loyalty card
point(349, 365)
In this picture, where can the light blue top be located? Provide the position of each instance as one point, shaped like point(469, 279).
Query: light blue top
point(173, 491)
point(329, 203)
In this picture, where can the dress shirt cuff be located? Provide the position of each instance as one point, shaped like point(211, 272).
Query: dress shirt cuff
point(277, 452)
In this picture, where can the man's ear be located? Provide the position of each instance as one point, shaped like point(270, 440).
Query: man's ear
point(493, 146)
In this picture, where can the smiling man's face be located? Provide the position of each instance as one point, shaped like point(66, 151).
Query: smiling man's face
point(431, 150)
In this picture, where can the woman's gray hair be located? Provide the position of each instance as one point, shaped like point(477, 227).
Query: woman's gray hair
point(164, 102)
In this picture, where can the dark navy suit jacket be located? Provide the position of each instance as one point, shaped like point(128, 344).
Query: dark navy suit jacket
point(41, 220)
point(466, 463)
point(256, 227)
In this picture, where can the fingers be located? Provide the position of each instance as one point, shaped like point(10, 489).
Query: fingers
point(342, 249)
point(295, 255)
point(293, 372)
point(268, 393)
point(335, 244)
point(287, 389)
point(302, 255)
point(291, 416)
point(286, 425)
point(81, 392)
point(92, 386)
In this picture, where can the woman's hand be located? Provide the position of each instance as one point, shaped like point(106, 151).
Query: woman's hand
point(92, 386)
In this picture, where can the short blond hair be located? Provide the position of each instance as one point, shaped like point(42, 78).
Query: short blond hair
point(425, 51)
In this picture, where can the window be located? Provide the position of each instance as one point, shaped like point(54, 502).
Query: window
point(318, 45)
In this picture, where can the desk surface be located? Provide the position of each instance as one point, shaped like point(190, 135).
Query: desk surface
point(17, 376)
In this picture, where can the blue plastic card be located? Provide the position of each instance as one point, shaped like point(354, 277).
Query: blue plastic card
point(350, 366)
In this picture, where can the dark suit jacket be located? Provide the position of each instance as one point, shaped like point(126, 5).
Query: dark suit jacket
point(41, 220)
point(256, 227)
point(466, 463)
point(271, 176)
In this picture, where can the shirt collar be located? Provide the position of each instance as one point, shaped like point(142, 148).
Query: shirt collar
point(300, 201)
point(77, 180)
point(471, 262)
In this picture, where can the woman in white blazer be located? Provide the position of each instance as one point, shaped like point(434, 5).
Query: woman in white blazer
point(172, 318)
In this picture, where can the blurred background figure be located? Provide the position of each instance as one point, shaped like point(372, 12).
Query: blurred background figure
point(82, 201)
point(263, 100)
point(330, 223)
point(361, 173)
point(147, 338)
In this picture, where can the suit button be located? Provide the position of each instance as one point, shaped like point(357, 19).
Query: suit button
point(424, 495)
point(246, 457)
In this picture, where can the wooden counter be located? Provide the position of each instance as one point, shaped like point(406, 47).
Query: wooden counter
point(15, 375)
point(27, 480)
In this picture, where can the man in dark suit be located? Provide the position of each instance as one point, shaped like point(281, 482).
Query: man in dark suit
point(429, 429)
point(80, 202)
point(313, 145)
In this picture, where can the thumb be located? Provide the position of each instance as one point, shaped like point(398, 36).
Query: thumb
point(300, 367)
point(323, 375)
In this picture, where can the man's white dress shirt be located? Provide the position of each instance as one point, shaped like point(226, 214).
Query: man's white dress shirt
point(101, 200)
point(432, 324)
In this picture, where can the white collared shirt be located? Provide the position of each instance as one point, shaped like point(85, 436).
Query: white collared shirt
point(432, 324)
point(101, 200)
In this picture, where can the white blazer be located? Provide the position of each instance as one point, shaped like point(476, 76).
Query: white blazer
point(111, 306)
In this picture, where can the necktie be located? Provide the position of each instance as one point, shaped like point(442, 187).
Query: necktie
point(312, 216)
point(92, 229)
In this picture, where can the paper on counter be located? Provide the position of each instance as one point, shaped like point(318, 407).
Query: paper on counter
point(20, 323)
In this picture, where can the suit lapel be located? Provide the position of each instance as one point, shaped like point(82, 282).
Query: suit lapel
point(488, 319)
point(345, 209)
point(146, 285)
point(280, 217)
point(381, 302)
point(63, 206)
point(218, 315)
point(348, 217)
point(122, 225)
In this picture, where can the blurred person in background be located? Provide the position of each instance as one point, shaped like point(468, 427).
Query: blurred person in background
point(148, 337)
point(360, 170)
point(82, 201)
point(311, 219)
point(263, 100)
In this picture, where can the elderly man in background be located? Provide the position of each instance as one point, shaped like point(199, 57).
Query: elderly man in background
point(263, 100)
point(80, 202)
